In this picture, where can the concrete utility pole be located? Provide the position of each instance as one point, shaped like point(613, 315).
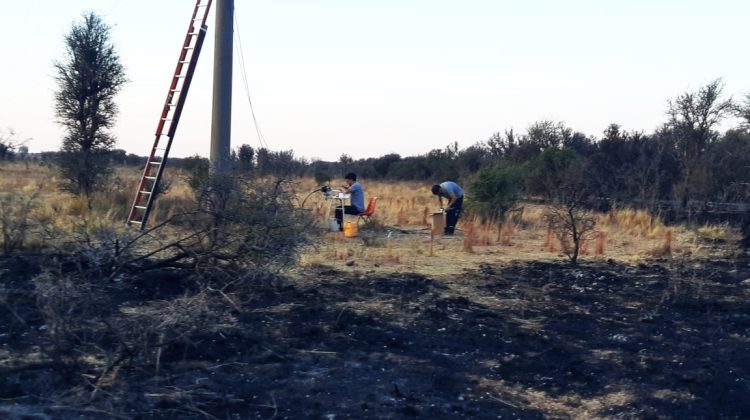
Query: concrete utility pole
point(221, 122)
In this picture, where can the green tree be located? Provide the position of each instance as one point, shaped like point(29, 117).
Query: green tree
point(245, 155)
point(384, 163)
point(547, 171)
point(264, 161)
point(494, 191)
point(88, 78)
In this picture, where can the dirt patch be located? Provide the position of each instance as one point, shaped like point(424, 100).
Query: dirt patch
point(520, 340)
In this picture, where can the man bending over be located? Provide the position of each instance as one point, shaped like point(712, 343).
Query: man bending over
point(455, 195)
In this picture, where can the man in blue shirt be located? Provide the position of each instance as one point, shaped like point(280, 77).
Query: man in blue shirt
point(357, 198)
point(455, 195)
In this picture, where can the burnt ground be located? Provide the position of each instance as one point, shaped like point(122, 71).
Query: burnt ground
point(523, 340)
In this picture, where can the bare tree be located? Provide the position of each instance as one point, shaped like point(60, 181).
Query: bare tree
point(10, 144)
point(567, 216)
point(742, 111)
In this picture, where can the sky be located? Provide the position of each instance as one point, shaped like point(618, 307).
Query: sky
point(366, 78)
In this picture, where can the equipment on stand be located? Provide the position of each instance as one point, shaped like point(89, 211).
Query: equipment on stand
point(325, 189)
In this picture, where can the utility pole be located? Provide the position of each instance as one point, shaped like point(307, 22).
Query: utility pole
point(221, 121)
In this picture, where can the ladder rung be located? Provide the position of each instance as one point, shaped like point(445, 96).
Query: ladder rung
point(175, 90)
point(179, 76)
point(189, 48)
point(141, 207)
point(145, 192)
point(185, 62)
point(150, 178)
point(135, 221)
point(154, 163)
point(166, 119)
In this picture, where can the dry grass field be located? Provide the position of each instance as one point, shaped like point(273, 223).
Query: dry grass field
point(624, 235)
point(403, 212)
point(493, 323)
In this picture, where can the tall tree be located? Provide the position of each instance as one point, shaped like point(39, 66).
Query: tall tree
point(383, 163)
point(245, 155)
point(693, 120)
point(88, 78)
point(263, 160)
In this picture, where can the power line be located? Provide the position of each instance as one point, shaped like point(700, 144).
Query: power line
point(243, 70)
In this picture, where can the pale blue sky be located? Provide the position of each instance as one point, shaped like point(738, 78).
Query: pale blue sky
point(371, 77)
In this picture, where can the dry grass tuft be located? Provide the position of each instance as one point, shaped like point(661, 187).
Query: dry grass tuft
point(665, 249)
point(469, 238)
point(713, 232)
point(600, 239)
point(549, 242)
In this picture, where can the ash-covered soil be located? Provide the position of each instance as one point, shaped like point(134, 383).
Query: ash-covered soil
point(663, 339)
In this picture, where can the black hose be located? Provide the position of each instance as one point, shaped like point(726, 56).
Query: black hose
point(309, 195)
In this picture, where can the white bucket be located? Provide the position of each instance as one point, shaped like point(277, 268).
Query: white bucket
point(333, 224)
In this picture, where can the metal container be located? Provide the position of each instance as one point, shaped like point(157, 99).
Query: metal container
point(333, 224)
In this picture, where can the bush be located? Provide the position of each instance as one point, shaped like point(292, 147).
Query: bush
point(15, 219)
point(494, 191)
point(248, 224)
point(103, 305)
point(94, 324)
point(198, 169)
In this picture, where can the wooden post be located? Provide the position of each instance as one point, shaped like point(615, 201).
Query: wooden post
point(432, 241)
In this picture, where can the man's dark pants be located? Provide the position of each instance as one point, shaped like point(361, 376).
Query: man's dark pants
point(451, 215)
point(347, 210)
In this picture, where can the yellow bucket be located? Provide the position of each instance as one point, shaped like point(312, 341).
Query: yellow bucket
point(350, 230)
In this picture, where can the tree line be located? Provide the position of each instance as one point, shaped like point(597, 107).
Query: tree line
point(684, 160)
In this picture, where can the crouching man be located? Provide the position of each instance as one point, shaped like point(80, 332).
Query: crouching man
point(455, 196)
